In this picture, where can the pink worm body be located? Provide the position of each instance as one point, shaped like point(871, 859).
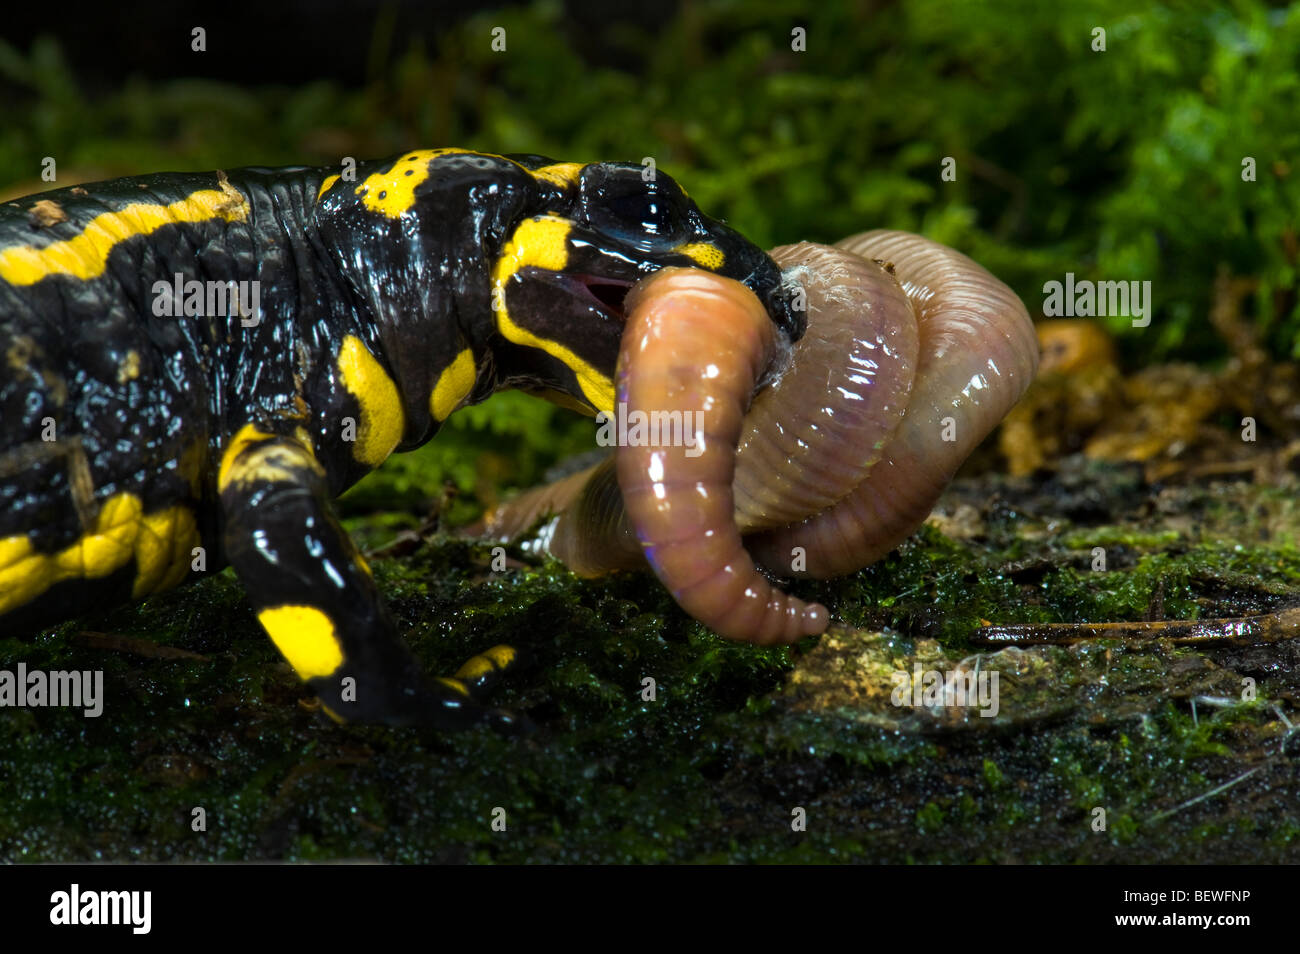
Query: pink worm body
point(914, 353)
point(978, 353)
point(697, 342)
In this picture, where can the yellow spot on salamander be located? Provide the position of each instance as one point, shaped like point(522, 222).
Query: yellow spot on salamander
point(501, 656)
point(392, 191)
point(13, 549)
point(326, 186)
point(382, 420)
point(704, 254)
point(162, 550)
point(496, 658)
point(248, 434)
point(85, 256)
point(475, 669)
point(278, 461)
point(455, 685)
point(159, 542)
point(542, 243)
point(108, 546)
point(562, 174)
point(453, 385)
point(305, 636)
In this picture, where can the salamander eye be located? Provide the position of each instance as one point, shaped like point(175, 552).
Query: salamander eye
point(646, 214)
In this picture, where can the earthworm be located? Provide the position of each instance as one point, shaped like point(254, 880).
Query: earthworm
point(914, 353)
point(978, 353)
point(814, 433)
point(698, 343)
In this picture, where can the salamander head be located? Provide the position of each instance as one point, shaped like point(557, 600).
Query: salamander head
point(563, 273)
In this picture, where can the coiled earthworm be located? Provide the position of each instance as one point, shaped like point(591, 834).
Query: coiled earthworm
point(978, 353)
point(816, 431)
point(914, 353)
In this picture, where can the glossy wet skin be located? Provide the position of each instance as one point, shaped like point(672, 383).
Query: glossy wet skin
point(679, 499)
point(390, 295)
point(977, 353)
point(913, 354)
point(572, 266)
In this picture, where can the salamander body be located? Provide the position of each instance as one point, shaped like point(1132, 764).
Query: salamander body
point(196, 364)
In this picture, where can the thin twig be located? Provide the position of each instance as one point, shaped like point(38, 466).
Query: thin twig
point(1235, 631)
point(1210, 794)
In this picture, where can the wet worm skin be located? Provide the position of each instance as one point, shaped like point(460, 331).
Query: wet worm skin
point(913, 354)
point(978, 354)
point(815, 432)
point(698, 342)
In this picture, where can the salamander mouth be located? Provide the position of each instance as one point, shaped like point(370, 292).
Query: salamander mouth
point(608, 293)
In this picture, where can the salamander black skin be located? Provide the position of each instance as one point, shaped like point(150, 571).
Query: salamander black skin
point(131, 436)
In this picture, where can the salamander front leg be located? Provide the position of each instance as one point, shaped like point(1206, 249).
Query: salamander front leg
point(314, 594)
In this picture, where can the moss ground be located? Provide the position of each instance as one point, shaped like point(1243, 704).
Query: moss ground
point(737, 738)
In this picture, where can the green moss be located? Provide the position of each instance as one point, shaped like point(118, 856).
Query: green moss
point(992, 774)
point(712, 768)
point(1118, 536)
point(930, 819)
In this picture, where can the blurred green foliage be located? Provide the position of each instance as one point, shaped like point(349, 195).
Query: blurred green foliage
point(1122, 164)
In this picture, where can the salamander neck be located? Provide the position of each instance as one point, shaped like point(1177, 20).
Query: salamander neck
point(418, 284)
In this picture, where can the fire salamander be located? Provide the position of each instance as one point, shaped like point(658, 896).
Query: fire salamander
point(196, 364)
